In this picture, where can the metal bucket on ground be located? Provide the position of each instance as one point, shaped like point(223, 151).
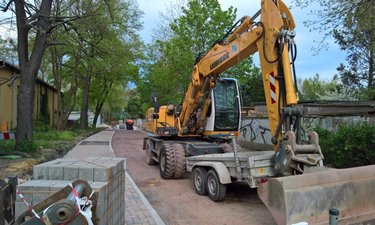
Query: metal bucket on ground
point(309, 197)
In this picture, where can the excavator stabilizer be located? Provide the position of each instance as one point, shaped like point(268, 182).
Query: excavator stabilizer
point(308, 197)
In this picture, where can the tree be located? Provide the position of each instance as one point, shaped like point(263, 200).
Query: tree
point(8, 50)
point(133, 107)
point(352, 25)
point(250, 80)
point(34, 21)
point(171, 57)
point(95, 54)
point(358, 39)
point(114, 20)
point(316, 89)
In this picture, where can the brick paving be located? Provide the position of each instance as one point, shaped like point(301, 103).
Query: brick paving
point(138, 210)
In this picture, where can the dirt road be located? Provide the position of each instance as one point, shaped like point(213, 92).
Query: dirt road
point(175, 200)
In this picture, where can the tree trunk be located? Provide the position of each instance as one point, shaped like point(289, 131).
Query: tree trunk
point(100, 104)
point(98, 108)
point(371, 70)
point(85, 101)
point(25, 107)
point(29, 64)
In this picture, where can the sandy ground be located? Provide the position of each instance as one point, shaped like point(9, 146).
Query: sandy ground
point(176, 201)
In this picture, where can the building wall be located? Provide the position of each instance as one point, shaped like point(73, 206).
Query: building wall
point(256, 134)
point(8, 100)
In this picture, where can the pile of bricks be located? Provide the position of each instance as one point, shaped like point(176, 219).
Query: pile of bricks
point(106, 177)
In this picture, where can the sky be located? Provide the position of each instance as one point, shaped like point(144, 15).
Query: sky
point(308, 62)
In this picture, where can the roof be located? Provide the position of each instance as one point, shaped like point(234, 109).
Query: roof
point(16, 69)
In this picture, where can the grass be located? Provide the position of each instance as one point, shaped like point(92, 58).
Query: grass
point(47, 137)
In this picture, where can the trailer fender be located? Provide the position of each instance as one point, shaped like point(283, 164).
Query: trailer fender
point(220, 169)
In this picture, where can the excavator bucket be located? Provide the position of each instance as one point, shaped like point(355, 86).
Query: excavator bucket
point(309, 197)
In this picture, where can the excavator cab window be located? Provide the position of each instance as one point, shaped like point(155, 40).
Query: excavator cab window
point(226, 105)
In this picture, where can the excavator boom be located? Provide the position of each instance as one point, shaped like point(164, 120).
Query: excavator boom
point(289, 190)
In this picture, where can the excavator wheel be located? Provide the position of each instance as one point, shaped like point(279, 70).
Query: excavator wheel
point(167, 161)
point(180, 161)
point(216, 190)
point(199, 180)
point(149, 153)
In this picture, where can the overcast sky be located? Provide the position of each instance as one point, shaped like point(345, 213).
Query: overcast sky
point(307, 64)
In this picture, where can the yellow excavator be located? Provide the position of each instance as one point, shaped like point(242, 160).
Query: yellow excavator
point(291, 179)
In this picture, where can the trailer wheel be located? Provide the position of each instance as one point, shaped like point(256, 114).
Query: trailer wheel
point(199, 180)
point(216, 190)
point(180, 163)
point(149, 153)
point(167, 162)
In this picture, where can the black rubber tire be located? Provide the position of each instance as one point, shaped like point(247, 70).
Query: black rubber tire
point(199, 180)
point(180, 161)
point(216, 191)
point(149, 153)
point(167, 162)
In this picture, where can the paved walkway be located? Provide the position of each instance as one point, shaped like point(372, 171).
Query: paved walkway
point(138, 211)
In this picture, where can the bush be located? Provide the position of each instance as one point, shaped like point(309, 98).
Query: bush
point(352, 145)
point(27, 146)
point(7, 145)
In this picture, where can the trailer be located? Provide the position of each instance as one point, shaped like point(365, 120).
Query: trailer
point(212, 172)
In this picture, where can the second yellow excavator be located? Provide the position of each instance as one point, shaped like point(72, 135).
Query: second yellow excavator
point(291, 179)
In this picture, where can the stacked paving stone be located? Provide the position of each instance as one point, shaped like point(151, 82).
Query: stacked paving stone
point(106, 177)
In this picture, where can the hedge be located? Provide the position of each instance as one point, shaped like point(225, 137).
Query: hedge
point(350, 146)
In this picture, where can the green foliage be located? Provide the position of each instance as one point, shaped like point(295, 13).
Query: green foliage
point(316, 89)
point(170, 60)
point(352, 25)
point(352, 145)
point(133, 108)
point(250, 80)
point(27, 146)
point(7, 145)
point(8, 50)
point(55, 135)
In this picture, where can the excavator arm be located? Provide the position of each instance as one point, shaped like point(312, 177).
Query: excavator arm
point(271, 37)
point(291, 199)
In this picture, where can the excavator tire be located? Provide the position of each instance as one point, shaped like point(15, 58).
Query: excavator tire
point(180, 161)
point(149, 153)
point(167, 162)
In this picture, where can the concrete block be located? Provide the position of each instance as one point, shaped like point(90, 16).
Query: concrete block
point(103, 220)
point(100, 161)
point(41, 190)
point(86, 172)
point(115, 217)
point(102, 174)
point(57, 186)
point(101, 192)
point(40, 172)
point(71, 172)
point(56, 172)
point(20, 207)
point(27, 189)
point(100, 210)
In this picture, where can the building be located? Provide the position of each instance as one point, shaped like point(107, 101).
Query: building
point(45, 98)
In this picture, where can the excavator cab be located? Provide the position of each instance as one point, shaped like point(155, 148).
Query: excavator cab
point(224, 112)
